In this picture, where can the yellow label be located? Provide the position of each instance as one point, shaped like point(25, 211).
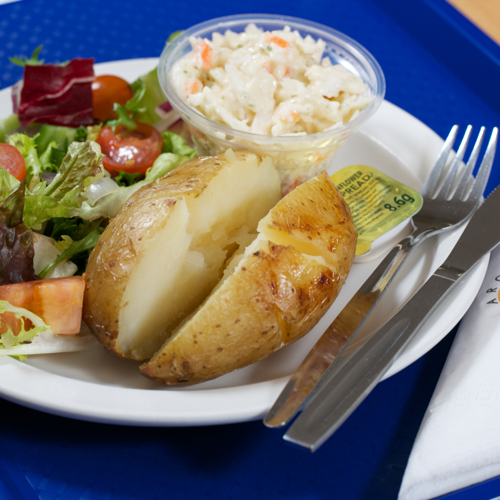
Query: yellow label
point(377, 202)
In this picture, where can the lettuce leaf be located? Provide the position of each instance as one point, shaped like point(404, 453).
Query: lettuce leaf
point(153, 97)
point(8, 184)
point(25, 61)
point(126, 179)
point(8, 125)
point(174, 143)
point(27, 147)
point(8, 339)
point(16, 240)
point(165, 163)
point(127, 113)
point(65, 195)
point(61, 137)
point(75, 247)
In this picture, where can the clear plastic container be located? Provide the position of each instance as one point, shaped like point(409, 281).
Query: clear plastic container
point(297, 158)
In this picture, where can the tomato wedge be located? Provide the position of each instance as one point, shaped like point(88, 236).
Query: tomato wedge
point(58, 301)
point(12, 160)
point(106, 90)
point(131, 151)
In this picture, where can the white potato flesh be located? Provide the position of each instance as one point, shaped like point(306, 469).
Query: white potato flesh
point(146, 304)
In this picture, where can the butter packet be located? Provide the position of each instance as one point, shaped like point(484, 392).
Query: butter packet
point(380, 206)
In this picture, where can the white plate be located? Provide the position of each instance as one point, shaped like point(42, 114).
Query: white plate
point(98, 386)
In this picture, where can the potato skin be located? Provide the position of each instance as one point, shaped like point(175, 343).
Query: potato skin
point(120, 246)
point(273, 298)
point(318, 219)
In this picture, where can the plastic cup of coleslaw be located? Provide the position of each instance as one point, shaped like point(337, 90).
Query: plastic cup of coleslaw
point(297, 157)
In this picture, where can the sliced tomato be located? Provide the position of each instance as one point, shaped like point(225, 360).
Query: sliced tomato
point(12, 160)
point(106, 90)
point(12, 322)
point(18, 294)
point(58, 301)
point(131, 151)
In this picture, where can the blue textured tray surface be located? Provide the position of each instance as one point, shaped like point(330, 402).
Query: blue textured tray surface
point(428, 75)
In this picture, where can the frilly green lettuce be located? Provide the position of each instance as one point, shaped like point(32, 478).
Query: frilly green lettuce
point(8, 339)
point(65, 195)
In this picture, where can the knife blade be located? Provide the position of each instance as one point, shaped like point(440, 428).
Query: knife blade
point(348, 383)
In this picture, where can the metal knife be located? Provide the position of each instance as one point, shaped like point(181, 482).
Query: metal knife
point(348, 383)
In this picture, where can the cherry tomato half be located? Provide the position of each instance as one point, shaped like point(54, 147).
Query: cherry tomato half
point(12, 160)
point(106, 90)
point(131, 151)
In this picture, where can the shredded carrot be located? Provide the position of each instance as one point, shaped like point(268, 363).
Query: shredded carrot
point(292, 186)
point(205, 53)
point(192, 87)
point(268, 68)
point(292, 117)
point(277, 41)
point(287, 71)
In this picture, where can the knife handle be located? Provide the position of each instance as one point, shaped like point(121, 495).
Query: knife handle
point(339, 334)
point(346, 386)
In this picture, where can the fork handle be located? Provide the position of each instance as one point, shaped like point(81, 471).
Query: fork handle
point(339, 334)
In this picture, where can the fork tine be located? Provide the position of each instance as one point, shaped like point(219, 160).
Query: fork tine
point(466, 176)
point(432, 180)
point(484, 170)
point(446, 188)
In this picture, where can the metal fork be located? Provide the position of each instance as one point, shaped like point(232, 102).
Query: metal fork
point(447, 203)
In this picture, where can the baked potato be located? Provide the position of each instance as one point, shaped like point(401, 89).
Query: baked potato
point(198, 290)
point(166, 249)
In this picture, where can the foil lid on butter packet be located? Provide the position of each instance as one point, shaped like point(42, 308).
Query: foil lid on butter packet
point(381, 208)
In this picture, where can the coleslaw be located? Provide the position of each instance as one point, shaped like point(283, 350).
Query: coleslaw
point(268, 82)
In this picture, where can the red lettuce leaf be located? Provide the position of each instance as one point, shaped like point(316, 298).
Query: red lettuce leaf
point(16, 241)
point(56, 95)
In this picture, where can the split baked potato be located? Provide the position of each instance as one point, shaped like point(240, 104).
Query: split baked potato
point(207, 270)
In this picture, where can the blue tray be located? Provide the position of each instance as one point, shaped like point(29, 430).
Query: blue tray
point(438, 67)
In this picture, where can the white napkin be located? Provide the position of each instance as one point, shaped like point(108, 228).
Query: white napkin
point(458, 443)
